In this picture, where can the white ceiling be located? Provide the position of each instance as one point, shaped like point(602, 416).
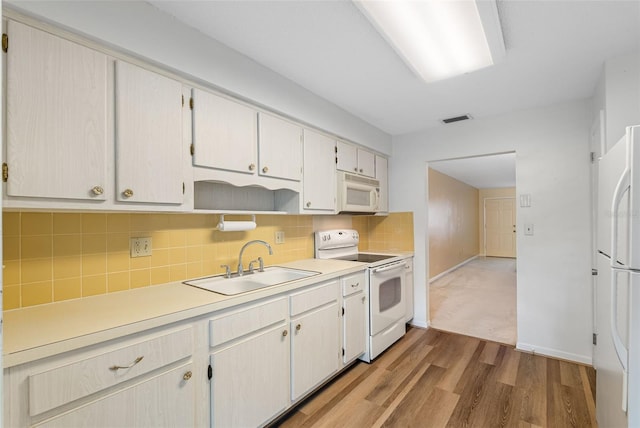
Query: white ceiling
point(481, 172)
point(554, 53)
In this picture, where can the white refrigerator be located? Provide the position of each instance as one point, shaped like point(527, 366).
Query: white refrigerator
point(617, 352)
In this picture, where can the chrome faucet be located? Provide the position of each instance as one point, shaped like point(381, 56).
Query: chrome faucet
point(255, 241)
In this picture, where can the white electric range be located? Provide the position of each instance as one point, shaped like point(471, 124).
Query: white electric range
point(385, 288)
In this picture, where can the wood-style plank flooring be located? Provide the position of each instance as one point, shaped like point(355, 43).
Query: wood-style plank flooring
point(437, 379)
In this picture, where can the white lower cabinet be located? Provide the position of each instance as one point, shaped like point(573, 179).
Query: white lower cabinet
point(354, 321)
point(165, 400)
point(315, 338)
point(249, 365)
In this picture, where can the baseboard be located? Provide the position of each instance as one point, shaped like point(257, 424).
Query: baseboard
point(418, 323)
point(548, 352)
point(440, 275)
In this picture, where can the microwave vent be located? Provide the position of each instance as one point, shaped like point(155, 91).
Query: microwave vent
point(456, 119)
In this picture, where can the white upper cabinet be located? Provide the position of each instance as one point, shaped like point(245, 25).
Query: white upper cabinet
point(382, 176)
point(148, 136)
point(355, 160)
point(56, 117)
point(319, 174)
point(224, 133)
point(279, 148)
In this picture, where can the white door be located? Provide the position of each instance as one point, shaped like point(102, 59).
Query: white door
point(148, 136)
point(224, 133)
point(366, 163)
point(56, 117)
point(279, 148)
point(319, 173)
point(347, 157)
point(500, 227)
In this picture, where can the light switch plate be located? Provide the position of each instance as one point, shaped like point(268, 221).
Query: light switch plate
point(528, 229)
point(140, 247)
point(525, 200)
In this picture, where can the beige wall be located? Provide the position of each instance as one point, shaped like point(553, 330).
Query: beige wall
point(50, 257)
point(505, 192)
point(453, 222)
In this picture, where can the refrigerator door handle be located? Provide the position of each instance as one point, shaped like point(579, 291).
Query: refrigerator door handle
point(621, 350)
point(621, 188)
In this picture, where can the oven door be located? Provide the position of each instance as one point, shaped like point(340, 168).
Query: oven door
point(387, 295)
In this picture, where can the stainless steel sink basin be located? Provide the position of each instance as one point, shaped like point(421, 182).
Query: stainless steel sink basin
point(274, 275)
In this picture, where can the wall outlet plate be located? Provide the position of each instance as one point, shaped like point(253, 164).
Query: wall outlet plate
point(140, 247)
point(280, 237)
point(528, 229)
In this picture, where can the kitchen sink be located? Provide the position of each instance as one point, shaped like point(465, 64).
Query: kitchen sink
point(274, 275)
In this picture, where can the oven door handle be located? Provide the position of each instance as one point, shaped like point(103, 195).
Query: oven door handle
point(391, 267)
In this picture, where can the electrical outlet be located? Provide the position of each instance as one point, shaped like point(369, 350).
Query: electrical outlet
point(279, 237)
point(140, 247)
point(528, 229)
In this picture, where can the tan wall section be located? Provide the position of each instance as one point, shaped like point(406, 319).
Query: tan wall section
point(505, 192)
point(49, 257)
point(453, 222)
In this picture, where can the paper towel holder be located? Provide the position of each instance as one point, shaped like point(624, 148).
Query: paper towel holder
point(236, 226)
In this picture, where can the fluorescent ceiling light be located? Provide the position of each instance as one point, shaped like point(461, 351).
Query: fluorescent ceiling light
point(439, 38)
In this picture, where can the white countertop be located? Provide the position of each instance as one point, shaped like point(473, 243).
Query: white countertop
point(40, 331)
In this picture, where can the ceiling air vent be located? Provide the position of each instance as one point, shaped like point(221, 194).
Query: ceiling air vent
point(456, 119)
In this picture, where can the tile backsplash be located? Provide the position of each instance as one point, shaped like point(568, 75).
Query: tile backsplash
point(50, 257)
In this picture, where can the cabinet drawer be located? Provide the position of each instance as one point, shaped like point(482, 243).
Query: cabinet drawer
point(352, 283)
point(313, 298)
point(54, 387)
point(244, 321)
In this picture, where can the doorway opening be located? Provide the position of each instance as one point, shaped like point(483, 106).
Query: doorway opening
point(472, 246)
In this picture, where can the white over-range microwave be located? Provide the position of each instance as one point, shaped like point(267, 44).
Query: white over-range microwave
point(357, 194)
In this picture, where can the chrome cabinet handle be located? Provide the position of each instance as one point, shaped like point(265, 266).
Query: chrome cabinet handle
point(265, 169)
point(97, 190)
point(252, 167)
point(357, 284)
point(187, 375)
point(136, 361)
point(127, 193)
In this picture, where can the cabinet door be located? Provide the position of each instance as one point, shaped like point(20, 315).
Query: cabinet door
point(166, 400)
point(319, 173)
point(314, 347)
point(347, 157)
point(56, 117)
point(148, 136)
point(224, 133)
point(382, 177)
point(354, 326)
point(250, 380)
point(366, 163)
point(279, 148)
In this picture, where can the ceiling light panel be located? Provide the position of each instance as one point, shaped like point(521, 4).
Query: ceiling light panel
point(436, 38)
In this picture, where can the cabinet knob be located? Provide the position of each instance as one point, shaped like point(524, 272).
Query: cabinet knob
point(265, 169)
point(127, 193)
point(298, 327)
point(308, 204)
point(284, 333)
point(363, 299)
point(252, 167)
point(360, 169)
point(97, 190)
point(187, 375)
point(355, 169)
point(357, 284)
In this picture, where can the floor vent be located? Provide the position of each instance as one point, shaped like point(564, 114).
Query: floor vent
point(456, 119)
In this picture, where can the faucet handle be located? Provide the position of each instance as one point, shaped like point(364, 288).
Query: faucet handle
point(227, 273)
point(251, 265)
point(261, 264)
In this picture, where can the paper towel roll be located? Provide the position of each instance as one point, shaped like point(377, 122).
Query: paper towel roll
point(236, 226)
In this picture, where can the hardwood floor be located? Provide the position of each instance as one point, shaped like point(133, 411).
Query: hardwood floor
point(432, 378)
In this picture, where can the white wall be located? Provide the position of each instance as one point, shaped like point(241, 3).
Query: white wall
point(554, 265)
point(140, 29)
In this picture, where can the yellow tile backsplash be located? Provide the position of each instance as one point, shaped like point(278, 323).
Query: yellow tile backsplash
point(50, 257)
